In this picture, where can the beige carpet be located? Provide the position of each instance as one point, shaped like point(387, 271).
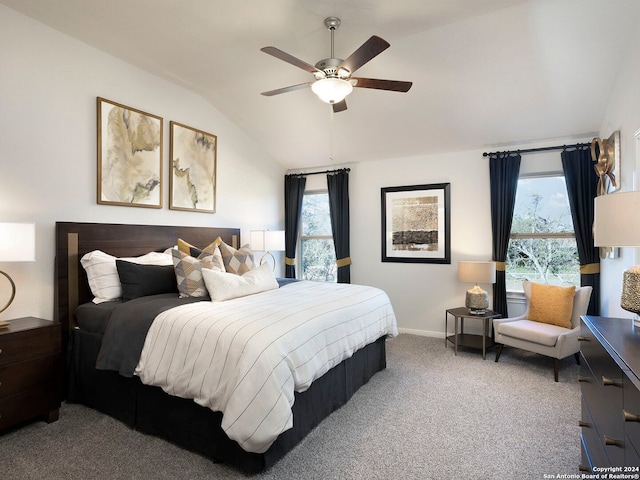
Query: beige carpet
point(429, 415)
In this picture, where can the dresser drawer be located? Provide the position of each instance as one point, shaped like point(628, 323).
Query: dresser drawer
point(30, 343)
point(632, 415)
point(24, 375)
point(600, 362)
point(15, 409)
point(593, 454)
point(605, 403)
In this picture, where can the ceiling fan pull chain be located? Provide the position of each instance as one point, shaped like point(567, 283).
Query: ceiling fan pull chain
point(331, 134)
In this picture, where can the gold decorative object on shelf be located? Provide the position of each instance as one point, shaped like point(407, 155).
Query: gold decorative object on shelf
point(607, 159)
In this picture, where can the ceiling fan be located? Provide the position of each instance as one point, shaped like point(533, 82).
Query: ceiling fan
point(333, 80)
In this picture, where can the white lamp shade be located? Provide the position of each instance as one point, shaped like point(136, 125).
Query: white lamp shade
point(616, 220)
point(477, 272)
point(274, 240)
point(267, 240)
point(256, 241)
point(332, 90)
point(17, 242)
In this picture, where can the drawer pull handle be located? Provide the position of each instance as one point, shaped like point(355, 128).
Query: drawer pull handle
point(582, 339)
point(584, 424)
point(582, 468)
point(613, 441)
point(583, 379)
point(609, 382)
point(630, 417)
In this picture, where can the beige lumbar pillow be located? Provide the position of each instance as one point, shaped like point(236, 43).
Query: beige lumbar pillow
point(551, 304)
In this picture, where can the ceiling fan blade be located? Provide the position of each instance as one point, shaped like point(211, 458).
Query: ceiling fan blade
point(276, 52)
point(291, 88)
point(393, 85)
point(340, 106)
point(368, 50)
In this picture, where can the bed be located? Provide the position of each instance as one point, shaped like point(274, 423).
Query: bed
point(149, 408)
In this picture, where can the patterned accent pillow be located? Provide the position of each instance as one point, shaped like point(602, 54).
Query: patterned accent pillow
point(551, 304)
point(186, 247)
point(237, 261)
point(188, 271)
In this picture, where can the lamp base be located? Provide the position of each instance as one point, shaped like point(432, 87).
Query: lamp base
point(13, 291)
point(476, 301)
point(264, 259)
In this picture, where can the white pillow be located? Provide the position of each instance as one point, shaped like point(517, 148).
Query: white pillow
point(225, 286)
point(102, 273)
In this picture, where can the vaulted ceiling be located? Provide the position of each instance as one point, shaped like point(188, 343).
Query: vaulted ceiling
point(486, 73)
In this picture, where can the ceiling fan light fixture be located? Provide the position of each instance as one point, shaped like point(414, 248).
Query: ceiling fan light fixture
point(332, 90)
point(343, 73)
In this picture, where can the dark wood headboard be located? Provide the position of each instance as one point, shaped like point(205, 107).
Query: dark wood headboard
point(73, 240)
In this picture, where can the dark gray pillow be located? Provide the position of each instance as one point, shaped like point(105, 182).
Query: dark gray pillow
point(142, 280)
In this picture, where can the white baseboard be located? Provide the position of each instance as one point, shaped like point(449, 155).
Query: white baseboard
point(422, 333)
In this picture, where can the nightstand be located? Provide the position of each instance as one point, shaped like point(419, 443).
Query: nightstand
point(30, 371)
point(462, 339)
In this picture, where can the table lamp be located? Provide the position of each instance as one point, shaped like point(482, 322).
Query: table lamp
point(267, 241)
point(17, 244)
point(616, 224)
point(477, 299)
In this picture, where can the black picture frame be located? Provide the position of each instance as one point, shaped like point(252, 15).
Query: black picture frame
point(416, 223)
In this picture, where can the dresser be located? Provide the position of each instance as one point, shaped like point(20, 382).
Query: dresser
point(610, 387)
point(30, 371)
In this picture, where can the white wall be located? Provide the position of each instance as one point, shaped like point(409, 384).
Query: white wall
point(420, 292)
point(623, 114)
point(48, 88)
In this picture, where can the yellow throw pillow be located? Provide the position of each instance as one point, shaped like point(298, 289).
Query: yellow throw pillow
point(551, 304)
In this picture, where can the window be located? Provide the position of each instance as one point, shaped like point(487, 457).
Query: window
point(542, 247)
point(317, 255)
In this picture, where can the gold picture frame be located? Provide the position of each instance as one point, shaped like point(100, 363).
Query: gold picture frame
point(192, 169)
point(129, 156)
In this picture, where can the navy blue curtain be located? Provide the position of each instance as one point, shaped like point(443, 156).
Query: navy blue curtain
point(338, 189)
point(504, 169)
point(293, 195)
point(582, 184)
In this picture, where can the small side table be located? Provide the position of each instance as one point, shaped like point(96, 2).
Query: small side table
point(30, 371)
point(462, 339)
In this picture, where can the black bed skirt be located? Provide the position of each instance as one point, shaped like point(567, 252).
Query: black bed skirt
point(196, 428)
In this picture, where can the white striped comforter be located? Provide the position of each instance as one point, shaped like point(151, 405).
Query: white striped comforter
point(246, 356)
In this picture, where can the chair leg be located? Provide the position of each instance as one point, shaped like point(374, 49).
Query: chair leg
point(555, 369)
point(577, 356)
point(499, 350)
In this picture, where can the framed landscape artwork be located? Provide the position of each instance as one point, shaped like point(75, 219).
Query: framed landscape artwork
point(416, 224)
point(129, 156)
point(192, 181)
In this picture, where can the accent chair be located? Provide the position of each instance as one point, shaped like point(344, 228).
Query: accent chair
point(551, 324)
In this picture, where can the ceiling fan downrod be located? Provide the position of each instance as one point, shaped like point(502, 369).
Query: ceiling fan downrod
point(332, 23)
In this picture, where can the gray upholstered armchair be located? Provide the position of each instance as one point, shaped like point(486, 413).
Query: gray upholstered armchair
point(546, 338)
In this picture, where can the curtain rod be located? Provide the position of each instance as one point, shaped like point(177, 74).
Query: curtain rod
point(541, 149)
point(318, 173)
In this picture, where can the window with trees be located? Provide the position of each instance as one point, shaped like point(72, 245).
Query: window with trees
point(542, 246)
point(317, 254)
